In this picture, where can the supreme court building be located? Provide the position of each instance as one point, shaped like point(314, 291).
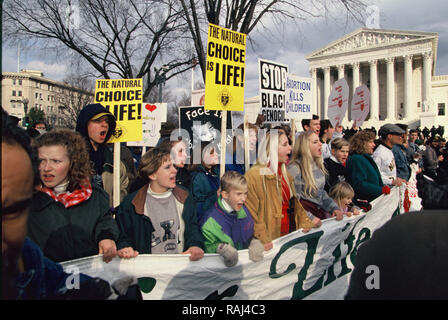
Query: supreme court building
point(398, 67)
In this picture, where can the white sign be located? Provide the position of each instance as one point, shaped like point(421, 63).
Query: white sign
point(360, 105)
point(299, 98)
point(198, 97)
point(272, 90)
point(313, 265)
point(153, 114)
point(338, 102)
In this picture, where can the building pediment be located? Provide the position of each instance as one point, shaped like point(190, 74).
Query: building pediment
point(372, 39)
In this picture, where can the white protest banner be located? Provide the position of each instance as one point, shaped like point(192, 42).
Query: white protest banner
point(272, 90)
point(313, 265)
point(299, 98)
point(360, 105)
point(153, 114)
point(338, 102)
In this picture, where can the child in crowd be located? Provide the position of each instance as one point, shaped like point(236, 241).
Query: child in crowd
point(325, 136)
point(342, 193)
point(335, 165)
point(205, 179)
point(228, 225)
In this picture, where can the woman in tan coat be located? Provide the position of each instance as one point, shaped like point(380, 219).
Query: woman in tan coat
point(271, 198)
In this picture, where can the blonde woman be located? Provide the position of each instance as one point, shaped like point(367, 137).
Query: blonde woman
point(307, 168)
point(271, 198)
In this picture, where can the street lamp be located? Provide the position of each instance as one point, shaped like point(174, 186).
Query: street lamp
point(160, 78)
point(25, 105)
point(26, 119)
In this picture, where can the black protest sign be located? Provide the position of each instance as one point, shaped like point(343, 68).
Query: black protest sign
point(272, 90)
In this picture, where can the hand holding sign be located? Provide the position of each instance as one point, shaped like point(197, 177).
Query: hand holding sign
point(338, 102)
point(360, 105)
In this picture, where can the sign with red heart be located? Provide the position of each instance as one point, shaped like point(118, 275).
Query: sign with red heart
point(360, 105)
point(150, 107)
point(153, 114)
point(338, 102)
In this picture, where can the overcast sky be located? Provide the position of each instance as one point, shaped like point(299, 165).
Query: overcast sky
point(289, 47)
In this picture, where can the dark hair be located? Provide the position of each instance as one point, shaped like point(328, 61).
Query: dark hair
point(306, 122)
point(33, 133)
point(324, 125)
point(39, 122)
point(402, 126)
point(14, 135)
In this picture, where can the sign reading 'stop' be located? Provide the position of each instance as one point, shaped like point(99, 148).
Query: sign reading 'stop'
point(122, 98)
point(272, 90)
point(225, 71)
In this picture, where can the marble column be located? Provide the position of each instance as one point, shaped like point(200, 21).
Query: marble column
point(374, 90)
point(355, 84)
point(326, 91)
point(390, 116)
point(407, 86)
point(340, 71)
point(427, 75)
point(355, 75)
point(313, 72)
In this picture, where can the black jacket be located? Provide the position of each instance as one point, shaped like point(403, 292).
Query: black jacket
point(407, 258)
point(71, 233)
point(136, 228)
point(336, 173)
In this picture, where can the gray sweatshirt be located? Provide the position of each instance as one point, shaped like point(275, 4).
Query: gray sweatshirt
point(321, 198)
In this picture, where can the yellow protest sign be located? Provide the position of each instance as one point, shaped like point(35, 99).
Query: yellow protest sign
point(224, 76)
point(123, 98)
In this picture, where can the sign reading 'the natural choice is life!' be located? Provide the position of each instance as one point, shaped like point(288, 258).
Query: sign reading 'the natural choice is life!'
point(226, 60)
point(123, 98)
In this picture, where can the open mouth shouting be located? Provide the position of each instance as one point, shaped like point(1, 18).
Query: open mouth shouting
point(48, 177)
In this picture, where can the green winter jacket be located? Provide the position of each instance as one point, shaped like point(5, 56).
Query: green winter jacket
point(74, 232)
point(136, 228)
point(364, 176)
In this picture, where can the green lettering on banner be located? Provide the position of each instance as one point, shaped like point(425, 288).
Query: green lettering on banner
point(363, 236)
point(396, 212)
point(311, 239)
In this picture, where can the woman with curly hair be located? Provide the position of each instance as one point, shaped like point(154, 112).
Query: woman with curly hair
point(70, 217)
point(362, 171)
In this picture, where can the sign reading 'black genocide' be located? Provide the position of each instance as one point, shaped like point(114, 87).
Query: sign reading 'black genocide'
point(272, 90)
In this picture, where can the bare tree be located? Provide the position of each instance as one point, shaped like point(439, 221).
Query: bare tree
point(246, 16)
point(124, 39)
point(76, 95)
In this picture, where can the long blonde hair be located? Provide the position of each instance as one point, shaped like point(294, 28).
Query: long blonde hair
point(301, 155)
point(268, 154)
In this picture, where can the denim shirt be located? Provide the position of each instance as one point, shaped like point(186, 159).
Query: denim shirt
point(42, 278)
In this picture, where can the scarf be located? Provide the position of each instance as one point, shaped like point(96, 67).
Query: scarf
point(67, 198)
point(286, 195)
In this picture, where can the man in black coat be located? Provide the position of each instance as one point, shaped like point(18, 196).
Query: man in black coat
point(407, 258)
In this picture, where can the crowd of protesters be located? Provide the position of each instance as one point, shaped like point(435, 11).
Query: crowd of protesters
point(168, 205)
